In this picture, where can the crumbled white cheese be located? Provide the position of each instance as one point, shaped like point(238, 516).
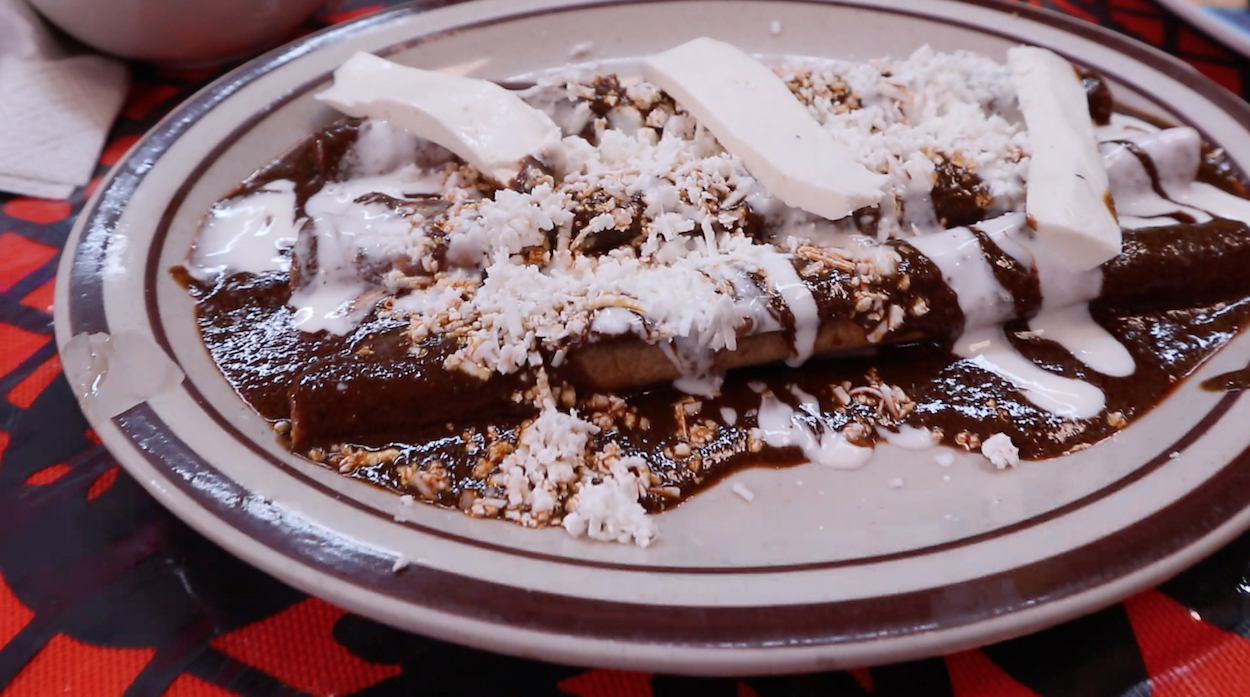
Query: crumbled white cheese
point(999, 450)
point(609, 511)
point(581, 50)
point(897, 115)
point(678, 283)
point(505, 224)
point(688, 282)
point(549, 451)
point(741, 490)
point(549, 475)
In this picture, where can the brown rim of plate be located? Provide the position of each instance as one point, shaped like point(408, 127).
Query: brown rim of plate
point(1159, 535)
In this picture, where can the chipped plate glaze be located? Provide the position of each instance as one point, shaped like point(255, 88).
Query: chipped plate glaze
point(823, 569)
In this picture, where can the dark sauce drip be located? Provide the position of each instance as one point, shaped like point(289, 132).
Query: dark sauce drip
point(533, 172)
point(313, 162)
point(251, 335)
point(1232, 381)
point(377, 385)
point(608, 94)
point(1098, 94)
point(1219, 171)
point(943, 318)
point(959, 196)
point(589, 133)
point(867, 220)
point(781, 310)
point(1147, 164)
point(604, 241)
point(1022, 283)
point(601, 242)
point(367, 389)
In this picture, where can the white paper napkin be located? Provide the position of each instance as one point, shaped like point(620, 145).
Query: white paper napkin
point(55, 108)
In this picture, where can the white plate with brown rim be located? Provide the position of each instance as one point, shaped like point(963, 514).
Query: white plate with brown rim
point(824, 569)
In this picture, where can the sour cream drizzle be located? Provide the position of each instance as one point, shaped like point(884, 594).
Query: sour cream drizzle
point(247, 234)
point(782, 426)
point(1168, 195)
point(253, 232)
point(1176, 154)
point(346, 230)
point(957, 253)
point(799, 299)
point(1064, 317)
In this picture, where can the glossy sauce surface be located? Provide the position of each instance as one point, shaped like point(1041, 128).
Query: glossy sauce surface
point(372, 390)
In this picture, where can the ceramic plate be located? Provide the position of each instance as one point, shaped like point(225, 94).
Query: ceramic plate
point(1223, 20)
point(824, 569)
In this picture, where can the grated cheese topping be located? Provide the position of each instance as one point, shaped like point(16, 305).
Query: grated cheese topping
point(999, 450)
point(642, 224)
point(523, 277)
point(903, 117)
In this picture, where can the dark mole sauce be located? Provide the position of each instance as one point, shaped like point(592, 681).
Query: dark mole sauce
point(959, 196)
point(1232, 381)
point(371, 390)
point(1098, 94)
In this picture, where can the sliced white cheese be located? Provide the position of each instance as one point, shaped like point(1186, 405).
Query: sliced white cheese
point(754, 116)
point(1067, 200)
point(488, 126)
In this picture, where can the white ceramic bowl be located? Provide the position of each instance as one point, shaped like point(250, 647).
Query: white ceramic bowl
point(178, 31)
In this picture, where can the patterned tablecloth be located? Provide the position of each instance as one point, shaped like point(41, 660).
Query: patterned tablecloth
point(105, 593)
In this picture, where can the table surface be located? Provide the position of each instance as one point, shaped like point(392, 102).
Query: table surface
point(105, 593)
